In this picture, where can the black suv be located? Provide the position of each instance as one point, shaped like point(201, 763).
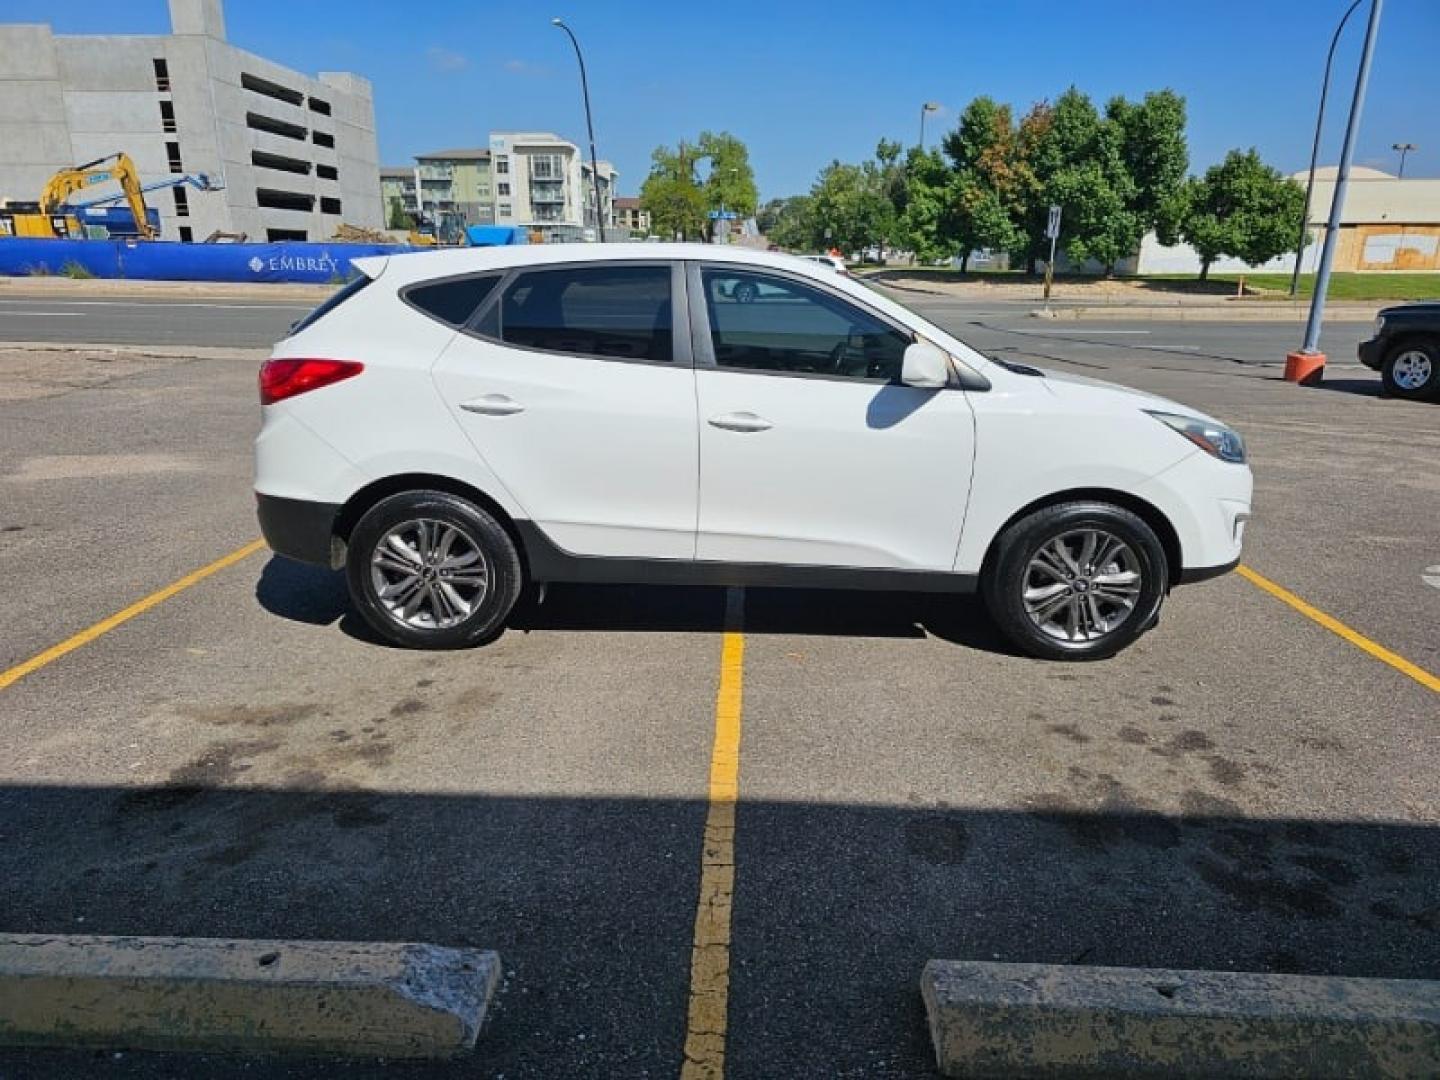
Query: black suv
point(1406, 350)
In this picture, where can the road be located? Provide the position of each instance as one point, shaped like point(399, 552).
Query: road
point(1244, 789)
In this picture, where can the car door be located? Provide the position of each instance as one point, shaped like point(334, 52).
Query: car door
point(575, 386)
point(811, 450)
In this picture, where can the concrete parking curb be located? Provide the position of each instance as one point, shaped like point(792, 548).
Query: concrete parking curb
point(1039, 1020)
point(355, 998)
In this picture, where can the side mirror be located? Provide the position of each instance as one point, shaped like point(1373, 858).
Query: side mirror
point(925, 365)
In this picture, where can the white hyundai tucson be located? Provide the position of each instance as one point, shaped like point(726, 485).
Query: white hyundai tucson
point(453, 426)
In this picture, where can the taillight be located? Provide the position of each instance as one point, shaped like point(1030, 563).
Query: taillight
point(281, 379)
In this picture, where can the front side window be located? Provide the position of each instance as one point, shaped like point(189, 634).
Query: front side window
point(760, 322)
point(613, 312)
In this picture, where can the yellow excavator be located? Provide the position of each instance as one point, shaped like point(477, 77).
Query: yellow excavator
point(54, 218)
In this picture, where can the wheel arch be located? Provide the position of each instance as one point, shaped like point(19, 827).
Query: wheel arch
point(368, 496)
point(1146, 511)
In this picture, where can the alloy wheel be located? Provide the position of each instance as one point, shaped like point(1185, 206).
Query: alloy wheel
point(428, 574)
point(1412, 369)
point(1081, 585)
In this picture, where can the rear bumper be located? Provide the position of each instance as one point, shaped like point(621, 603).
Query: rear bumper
point(1372, 353)
point(300, 530)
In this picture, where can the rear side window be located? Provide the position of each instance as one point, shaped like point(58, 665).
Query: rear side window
point(330, 305)
point(613, 312)
point(454, 301)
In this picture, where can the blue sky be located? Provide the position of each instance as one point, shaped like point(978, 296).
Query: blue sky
point(805, 82)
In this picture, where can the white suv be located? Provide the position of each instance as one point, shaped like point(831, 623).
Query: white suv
point(454, 425)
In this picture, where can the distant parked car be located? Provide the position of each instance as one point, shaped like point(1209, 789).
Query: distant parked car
point(834, 262)
point(1406, 350)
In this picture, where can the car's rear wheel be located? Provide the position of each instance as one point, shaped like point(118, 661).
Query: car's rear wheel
point(1076, 581)
point(428, 569)
point(1412, 371)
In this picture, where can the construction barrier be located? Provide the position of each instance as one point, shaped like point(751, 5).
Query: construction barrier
point(295, 261)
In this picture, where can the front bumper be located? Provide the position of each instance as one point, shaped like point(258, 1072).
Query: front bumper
point(1372, 353)
point(300, 530)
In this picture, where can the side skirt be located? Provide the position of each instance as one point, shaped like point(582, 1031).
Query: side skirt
point(548, 563)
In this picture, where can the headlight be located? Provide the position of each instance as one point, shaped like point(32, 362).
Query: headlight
point(1379, 325)
point(1217, 440)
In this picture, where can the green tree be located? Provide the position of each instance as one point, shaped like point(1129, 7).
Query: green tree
point(787, 222)
point(1156, 157)
point(1242, 208)
point(671, 195)
point(987, 189)
point(849, 208)
point(395, 215)
point(731, 181)
point(926, 222)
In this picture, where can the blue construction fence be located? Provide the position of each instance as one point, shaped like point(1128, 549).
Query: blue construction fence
point(293, 261)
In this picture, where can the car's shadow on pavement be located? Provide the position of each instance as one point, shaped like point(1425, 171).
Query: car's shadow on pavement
point(590, 901)
point(314, 595)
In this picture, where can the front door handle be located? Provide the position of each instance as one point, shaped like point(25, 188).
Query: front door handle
point(741, 421)
point(493, 405)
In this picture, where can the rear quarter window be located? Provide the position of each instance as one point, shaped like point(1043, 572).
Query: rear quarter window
point(453, 301)
point(346, 293)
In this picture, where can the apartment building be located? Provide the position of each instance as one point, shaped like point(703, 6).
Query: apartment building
point(543, 183)
point(457, 182)
point(631, 217)
point(297, 153)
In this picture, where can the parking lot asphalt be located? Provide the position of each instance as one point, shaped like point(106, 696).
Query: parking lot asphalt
point(1244, 789)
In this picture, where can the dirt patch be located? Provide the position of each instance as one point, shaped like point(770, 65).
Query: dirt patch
point(27, 374)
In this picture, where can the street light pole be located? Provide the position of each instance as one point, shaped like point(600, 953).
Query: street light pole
point(928, 107)
point(1404, 148)
point(1315, 148)
point(590, 130)
point(1309, 364)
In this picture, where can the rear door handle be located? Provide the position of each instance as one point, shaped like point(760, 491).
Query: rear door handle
point(741, 421)
point(493, 405)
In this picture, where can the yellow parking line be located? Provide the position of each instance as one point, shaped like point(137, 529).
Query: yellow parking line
point(1335, 626)
point(104, 626)
point(710, 953)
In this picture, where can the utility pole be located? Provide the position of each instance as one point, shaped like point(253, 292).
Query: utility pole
point(590, 129)
point(1404, 148)
point(1307, 367)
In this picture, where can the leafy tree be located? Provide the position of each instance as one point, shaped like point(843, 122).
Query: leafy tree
point(849, 209)
point(787, 222)
point(731, 182)
point(395, 215)
point(1242, 208)
point(987, 190)
point(926, 222)
point(1153, 149)
point(674, 200)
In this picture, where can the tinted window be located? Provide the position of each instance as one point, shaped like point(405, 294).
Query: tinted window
point(615, 312)
point(452, 302)
point(764, 323)
point(330, 305)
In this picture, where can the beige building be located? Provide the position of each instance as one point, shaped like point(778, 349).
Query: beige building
point(630, 216)
point(543, 183)
point(1387, 224)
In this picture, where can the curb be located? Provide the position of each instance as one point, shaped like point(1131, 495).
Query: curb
point(163, 352)
point(383, 999)
point(1034, 1020)
point(1242, 311)
point(55, 288)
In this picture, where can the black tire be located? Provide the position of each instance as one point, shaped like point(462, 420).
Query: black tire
point(1009, 569)
point(477, 532)
point(1413, 355)
point(745, 292)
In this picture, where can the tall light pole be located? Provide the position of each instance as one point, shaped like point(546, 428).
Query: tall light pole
point(1308, 365)
point(1404, 148)
point(928, 107)
point(1315, 148)
point(589, 128)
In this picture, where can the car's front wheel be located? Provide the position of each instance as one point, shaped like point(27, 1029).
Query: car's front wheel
point(428, 569)
point(1412, 371)
point(1076, 581)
